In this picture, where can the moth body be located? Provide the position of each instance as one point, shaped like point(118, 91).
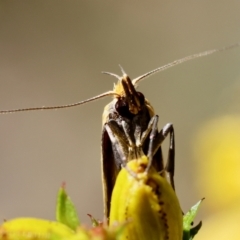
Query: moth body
point(129, 114)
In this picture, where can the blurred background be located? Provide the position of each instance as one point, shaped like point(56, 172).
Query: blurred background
point(52, 53)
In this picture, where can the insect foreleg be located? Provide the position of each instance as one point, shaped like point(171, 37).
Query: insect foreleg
point(119, 142)
point(156, 139)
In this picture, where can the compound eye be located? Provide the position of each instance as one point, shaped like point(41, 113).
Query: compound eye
point(122, 108)
point(141, 98)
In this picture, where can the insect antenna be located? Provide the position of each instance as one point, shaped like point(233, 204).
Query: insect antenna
point(113, 74)
point(182, 60)
point(102, 95)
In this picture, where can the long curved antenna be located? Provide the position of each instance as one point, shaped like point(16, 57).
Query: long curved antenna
point(182, 60)
point(109, 93)
point(113, 74)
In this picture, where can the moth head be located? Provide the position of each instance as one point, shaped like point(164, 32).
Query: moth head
point(129, 101)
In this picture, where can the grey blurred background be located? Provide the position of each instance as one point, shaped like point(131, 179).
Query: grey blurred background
point(52, 53)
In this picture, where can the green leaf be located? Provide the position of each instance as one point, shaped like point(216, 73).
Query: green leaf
point(65, 210)
point(188, 232)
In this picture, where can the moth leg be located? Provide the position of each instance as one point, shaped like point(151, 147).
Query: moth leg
point(153, 127)
point(149, 128)
point(134, 139)
point(170, 165)
point(156, 139)
point(128, 133)
point(118, 141)
point(122, 141)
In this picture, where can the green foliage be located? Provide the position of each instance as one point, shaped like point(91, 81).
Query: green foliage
point(65, 211)
point(188, 232)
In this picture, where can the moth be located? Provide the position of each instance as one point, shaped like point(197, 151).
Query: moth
point(128, 105)
point(130, 108)
point(142, 197)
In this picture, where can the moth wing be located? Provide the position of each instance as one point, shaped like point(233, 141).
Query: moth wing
point(109, 171)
